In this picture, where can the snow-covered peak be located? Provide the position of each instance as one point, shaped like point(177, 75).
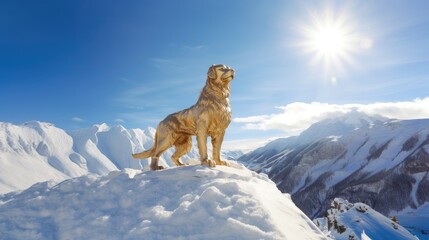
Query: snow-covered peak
point(357, 118)
point(193, 202)
point(37, 124)
point(339, 125)
point(103, 127)
point(33, 152)
point(150, 131)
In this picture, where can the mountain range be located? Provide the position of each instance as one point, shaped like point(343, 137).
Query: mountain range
point(380, 164)
point(383, 163)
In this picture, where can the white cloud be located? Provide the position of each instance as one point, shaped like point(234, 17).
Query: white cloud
point(296, 117)
point(77, 119)
point(419, 108)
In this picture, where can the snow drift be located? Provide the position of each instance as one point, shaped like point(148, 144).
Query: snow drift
point(193, 202)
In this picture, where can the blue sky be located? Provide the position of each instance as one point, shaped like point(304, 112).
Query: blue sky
point(79, 63)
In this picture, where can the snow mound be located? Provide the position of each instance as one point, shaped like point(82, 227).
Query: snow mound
point(192, 202)
point(347, 221)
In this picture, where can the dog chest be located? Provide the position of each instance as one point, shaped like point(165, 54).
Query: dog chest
point(220, 117)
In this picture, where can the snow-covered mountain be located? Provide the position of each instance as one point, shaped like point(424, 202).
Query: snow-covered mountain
point(37, 151)
point(382, 163)
point(346, 221)
point(191, 202)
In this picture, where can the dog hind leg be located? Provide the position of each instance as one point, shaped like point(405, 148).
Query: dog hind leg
point(183, 145)
point(165, 140)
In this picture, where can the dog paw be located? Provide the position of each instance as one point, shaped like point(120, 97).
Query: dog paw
point(208, 163)
point(156, 168)
point(224, 163)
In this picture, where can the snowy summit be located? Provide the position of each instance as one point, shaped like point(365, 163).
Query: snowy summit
point(192, 202)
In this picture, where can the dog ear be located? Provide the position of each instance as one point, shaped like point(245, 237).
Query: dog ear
point(212, 72)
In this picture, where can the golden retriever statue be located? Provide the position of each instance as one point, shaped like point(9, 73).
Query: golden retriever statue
point(210, 116)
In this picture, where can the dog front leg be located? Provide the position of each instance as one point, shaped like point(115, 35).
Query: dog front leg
point(217, 140)
point(202, 148)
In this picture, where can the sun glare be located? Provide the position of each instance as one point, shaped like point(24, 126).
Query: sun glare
point(329, 41)
point(331, 38)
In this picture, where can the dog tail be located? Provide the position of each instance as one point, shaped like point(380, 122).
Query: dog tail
point(148, 153)
point(145, 154)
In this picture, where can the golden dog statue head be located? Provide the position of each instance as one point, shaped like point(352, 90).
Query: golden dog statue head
point(226, 73)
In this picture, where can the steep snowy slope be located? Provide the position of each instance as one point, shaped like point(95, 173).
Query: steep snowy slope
point(37, 151)
point(192, 202)
point(345, 221)
point(382, 163)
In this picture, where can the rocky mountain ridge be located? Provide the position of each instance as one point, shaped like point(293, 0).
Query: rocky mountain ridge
point(380, 162)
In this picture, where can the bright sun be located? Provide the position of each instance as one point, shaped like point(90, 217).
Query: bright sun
point(329, 38)
point(329, 41)
point(332, 40)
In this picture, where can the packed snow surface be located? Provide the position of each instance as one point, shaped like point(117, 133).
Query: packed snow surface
point(191, 202)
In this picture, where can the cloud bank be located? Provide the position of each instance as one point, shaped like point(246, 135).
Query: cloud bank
point(296, 117)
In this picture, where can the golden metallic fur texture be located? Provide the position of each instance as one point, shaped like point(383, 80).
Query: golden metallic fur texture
point(210, 116)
